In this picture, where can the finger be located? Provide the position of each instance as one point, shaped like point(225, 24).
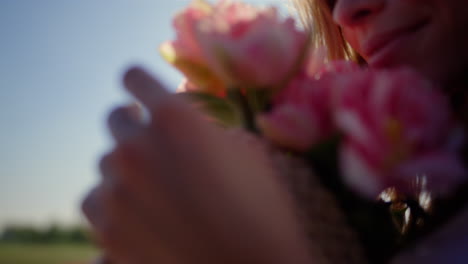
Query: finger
point(98, 207)
point(133, 203)
point(125, 122)
point(127, 228)
point(149, 91)
point(129, 165)
point(107, 166)
point(92, 207)
point(169, 114)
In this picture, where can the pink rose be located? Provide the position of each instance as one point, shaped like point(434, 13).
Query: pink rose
point(185, 52)
point(337, 67)
point(398, 129)
point(301, 114)
point(250, 47)
point(233, 44)
point(317, 66)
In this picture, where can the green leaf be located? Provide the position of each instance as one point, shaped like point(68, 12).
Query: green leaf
point(221, 110)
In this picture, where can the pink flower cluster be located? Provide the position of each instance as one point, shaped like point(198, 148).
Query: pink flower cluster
point(233, 44)
point(397, 128)
point(303, 112)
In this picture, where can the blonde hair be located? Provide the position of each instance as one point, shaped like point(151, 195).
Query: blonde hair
point(316, 16)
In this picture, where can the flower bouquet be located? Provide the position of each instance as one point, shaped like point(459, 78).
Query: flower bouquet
point(372, 156)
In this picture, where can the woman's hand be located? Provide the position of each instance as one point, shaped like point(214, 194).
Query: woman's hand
point(177, 189)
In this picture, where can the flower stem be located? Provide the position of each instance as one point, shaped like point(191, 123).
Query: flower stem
point(241, 101)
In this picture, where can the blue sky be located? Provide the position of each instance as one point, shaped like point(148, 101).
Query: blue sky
point(60, 74)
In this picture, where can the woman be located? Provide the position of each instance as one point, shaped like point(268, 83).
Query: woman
point(160, 203)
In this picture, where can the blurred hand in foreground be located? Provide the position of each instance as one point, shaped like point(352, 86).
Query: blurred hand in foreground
point(177, 189)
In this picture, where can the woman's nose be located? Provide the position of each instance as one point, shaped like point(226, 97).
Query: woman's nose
point(349, 13)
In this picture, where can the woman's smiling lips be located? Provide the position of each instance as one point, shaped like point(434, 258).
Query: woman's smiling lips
point(379, 49)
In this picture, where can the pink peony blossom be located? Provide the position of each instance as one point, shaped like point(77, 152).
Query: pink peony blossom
point(301, 115)
point(397, 128)
point(233, 44)
point(250, 47)
point(337, 67)
point(316, 64)
point(185, 52)
point(289, 126)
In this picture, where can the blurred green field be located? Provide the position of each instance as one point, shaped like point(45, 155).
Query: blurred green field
point(46, 254)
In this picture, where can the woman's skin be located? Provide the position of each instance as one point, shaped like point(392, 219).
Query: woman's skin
point(427, 35)
point(178, 190)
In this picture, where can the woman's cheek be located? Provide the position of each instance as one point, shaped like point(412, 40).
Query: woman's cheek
point(352, 37)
